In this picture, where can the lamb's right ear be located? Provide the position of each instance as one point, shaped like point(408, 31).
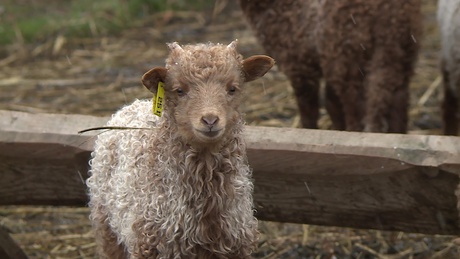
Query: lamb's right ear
point(256, 66)
point(152, 77)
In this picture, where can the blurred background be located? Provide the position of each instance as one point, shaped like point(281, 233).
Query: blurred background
point(87, 57)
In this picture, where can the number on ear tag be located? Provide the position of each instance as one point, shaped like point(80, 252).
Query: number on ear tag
point(158, 100)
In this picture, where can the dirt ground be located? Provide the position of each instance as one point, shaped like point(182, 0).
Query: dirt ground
point(97, 75)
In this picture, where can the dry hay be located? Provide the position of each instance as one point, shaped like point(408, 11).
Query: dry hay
point(97, 75)
point(53, 232)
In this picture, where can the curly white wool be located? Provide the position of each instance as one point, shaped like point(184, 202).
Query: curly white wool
point(126, 147)
point(136, 188)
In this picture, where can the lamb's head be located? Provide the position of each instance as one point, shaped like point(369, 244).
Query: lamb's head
point(203, 85)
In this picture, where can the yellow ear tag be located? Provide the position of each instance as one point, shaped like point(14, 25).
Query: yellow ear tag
point(158, 100)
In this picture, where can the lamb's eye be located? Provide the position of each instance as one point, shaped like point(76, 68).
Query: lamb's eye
point(231, 90)
point(180, 92)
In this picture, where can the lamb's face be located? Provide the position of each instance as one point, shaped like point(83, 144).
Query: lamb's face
point(203, 88)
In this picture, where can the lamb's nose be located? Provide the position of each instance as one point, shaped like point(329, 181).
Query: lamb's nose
point(210, 120)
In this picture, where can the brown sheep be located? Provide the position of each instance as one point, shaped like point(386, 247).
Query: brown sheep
point(184, 190)
point(365, 50)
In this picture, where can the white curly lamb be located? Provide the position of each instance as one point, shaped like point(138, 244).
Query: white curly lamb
point(183, 190)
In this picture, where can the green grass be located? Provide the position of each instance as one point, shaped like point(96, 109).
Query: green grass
point(35, 21)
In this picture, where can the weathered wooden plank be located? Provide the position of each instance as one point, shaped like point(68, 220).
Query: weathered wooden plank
point(407, 200)
point(367, 153)
point(379, 181)
point(8, 248)
point(43, 161)
point(362, 180)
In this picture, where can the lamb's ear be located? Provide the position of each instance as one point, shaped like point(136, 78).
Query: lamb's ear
point(256, 66)
point(152, 77)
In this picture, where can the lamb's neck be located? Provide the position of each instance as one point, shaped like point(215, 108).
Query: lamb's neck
point(209, 160)
point(201, 162)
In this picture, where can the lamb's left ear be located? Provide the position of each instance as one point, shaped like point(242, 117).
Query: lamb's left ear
point(256, 66)
point(152, 77)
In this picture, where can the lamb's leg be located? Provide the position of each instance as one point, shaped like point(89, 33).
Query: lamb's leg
point(203, 253)
point(306, 90)
point(450, 105)
point(147, 244)
point(106, 239)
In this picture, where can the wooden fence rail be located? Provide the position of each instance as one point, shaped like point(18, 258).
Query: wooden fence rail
point(360, 180)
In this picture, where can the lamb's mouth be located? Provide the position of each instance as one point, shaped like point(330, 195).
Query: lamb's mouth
point(211, 133)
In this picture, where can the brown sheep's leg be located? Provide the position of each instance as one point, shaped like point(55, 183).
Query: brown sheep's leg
point(352, 104)
point(106, 240)
point(386, 102)
point(347, 81)
point(387, 92)
point(399, 111)
point(400, 78)
point(399, 105)
point(334, 108)
point(306, 90)
point(344, 90)
point(450, 106)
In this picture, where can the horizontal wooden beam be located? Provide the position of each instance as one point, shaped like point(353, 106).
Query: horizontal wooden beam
point(349, 179)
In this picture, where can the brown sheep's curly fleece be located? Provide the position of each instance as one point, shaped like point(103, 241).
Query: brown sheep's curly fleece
point(364, 49)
